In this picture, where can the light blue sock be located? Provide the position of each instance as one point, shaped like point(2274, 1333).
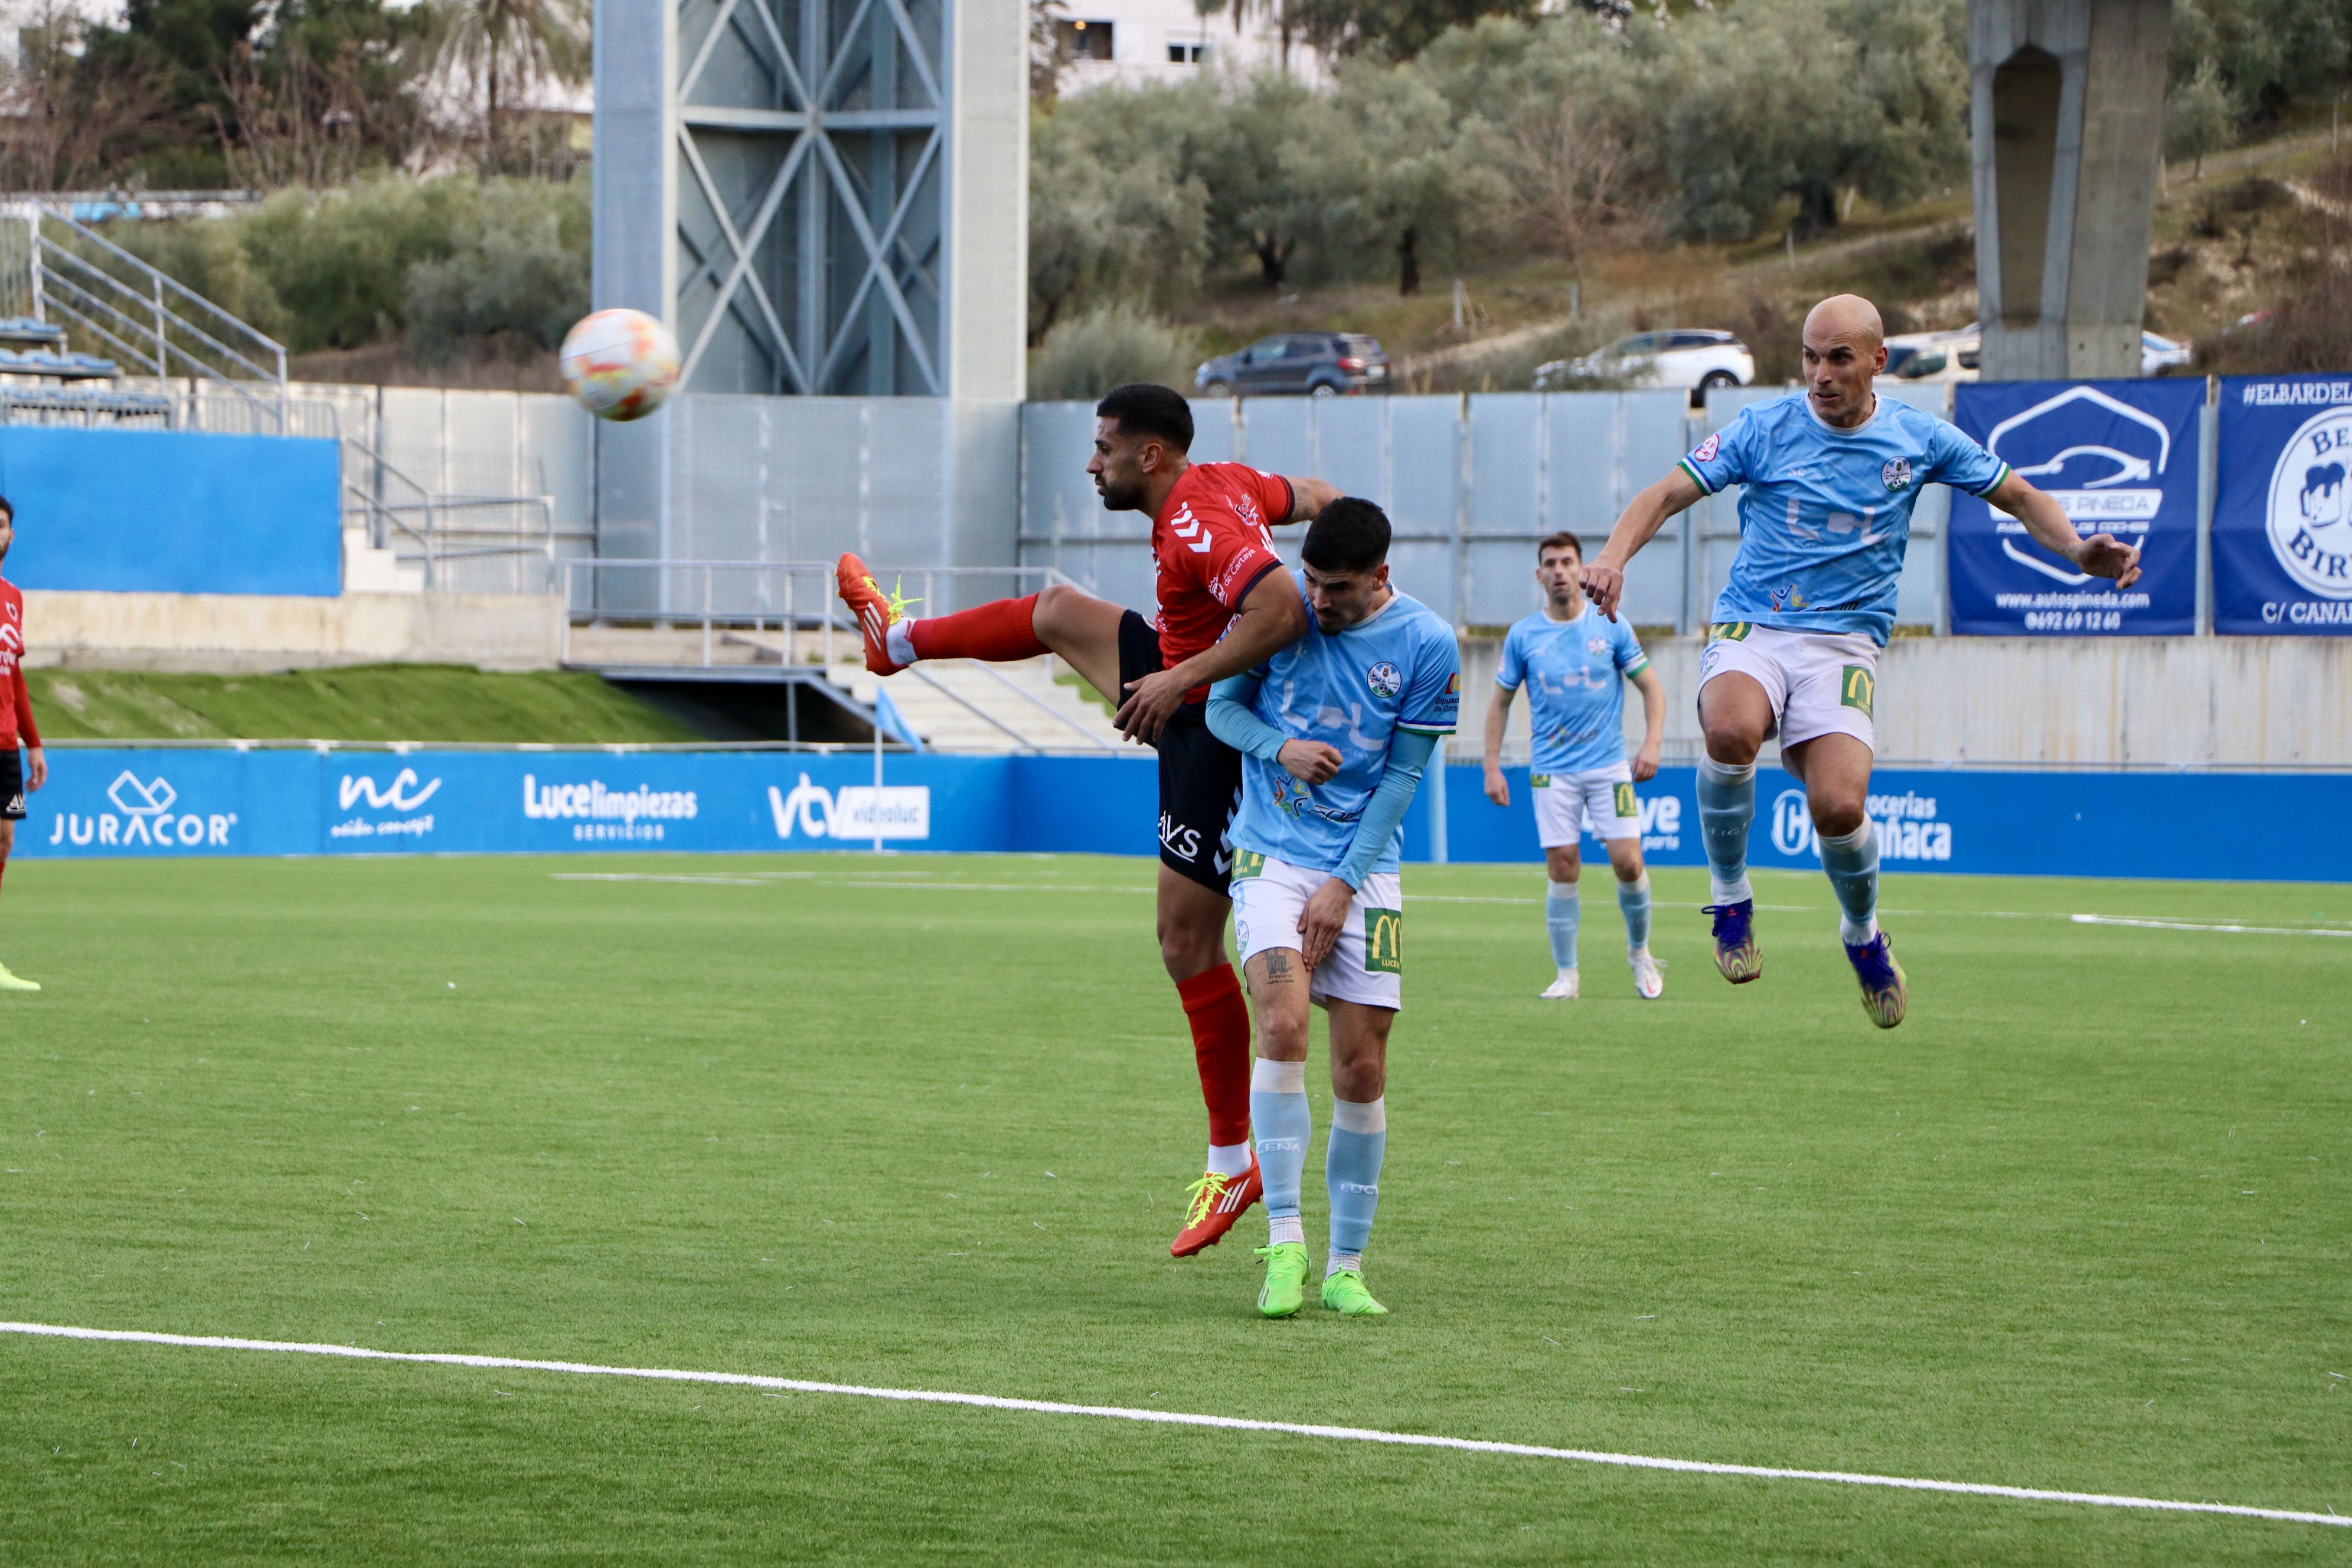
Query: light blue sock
point(1727, 805)
point(1633, 898)
point(1351, 1173)
point(1562, 910)
point(1852, 861)
point(1279, 1117)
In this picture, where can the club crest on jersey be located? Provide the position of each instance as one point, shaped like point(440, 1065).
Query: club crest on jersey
point(1709, 448)
point(1897, 473)
point(1385, 679)
point(1596, 646)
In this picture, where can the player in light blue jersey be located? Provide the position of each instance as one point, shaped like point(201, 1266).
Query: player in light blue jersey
point(1829, 477)
point(1574, 663)
point(1334, 731)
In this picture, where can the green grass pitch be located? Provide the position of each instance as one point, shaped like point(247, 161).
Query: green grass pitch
point(924, 1123)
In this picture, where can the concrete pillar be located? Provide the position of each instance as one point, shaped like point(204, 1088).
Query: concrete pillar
point(987, 200)
point(2067, 127)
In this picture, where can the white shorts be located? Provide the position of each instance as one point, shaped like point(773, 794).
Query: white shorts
point(1598, 798)
point(1366, 964)
point(1820, 683)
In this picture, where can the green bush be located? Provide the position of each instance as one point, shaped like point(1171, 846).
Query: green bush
point(209, 259)
point(442, 259)
point(519, 268)
point(1086, 356)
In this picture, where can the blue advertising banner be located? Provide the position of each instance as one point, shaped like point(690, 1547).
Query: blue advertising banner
point(2282, 507)
point(2120, 457)
point(2254, 826)
point(172, 802)
point(173, 512)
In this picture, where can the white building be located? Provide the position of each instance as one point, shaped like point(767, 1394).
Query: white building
point(1131, 43)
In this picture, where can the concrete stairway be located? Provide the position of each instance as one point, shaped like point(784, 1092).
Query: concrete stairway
point(962, 705)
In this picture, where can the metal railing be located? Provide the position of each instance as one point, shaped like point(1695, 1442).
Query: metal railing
point(789, 599)
point(148, 319)
point(477, 543)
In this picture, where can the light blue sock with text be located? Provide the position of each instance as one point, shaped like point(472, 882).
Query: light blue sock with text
point(1283, 1125)
point(1351, 1175)
point(1633, 901)
point(1727, 805)
point(1562, 910)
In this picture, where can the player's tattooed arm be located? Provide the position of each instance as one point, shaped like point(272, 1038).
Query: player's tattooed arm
point(1308, 497)
point(2101, 555)
point(1604, 575)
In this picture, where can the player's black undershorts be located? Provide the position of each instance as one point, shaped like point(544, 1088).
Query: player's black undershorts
point(12, 784)
point(1199, 775)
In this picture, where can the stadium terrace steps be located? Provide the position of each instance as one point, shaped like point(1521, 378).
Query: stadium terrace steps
point(962, 705)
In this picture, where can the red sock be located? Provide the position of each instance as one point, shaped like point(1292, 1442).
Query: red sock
point(1221, 1049)
point(999, 631)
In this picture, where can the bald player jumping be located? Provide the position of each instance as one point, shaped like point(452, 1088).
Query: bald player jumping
point(1830, 475)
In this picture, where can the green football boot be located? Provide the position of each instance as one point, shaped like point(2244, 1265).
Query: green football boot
point(1345, 1293)
point(15, 983)
point(1285, 1291)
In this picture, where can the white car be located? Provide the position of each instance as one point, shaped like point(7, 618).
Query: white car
point(1933, 357)
point(2159, 355)
point(1698, 361)
point(2156, 355)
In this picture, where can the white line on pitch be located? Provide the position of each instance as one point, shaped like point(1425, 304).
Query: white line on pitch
point(1178, 1418)
point(652, 877)
point(2184, 925)
point(862, 880)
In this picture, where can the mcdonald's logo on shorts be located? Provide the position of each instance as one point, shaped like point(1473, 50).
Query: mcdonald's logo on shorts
point(1383, 941)
point(1626, 805)
point(1858, 689)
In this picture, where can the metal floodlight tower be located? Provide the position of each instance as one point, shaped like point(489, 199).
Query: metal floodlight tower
point(820, 196)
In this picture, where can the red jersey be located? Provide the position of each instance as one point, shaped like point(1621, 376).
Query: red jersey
point(1210, 544)
point(15, 703)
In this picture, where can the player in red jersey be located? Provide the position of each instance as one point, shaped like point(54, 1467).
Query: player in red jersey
point(1227, 602)
point(28, 770)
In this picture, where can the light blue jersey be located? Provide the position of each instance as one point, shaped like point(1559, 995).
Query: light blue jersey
point(1353, 689)
point(1575, 673)
point(1826, 512)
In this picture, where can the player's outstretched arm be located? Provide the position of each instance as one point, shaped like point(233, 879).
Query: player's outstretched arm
point(1604, 575)
point(1498, 715)
point(1271, 618)
point(1308, 497)
point(2101, 555)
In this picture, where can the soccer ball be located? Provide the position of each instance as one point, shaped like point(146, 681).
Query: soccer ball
point(620, 364)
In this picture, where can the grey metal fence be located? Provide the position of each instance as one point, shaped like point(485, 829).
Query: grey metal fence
point(795, 600)
point(1471, 482)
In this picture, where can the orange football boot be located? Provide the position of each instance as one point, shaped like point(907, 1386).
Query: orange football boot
point(1216, 1201)
point(876, 611)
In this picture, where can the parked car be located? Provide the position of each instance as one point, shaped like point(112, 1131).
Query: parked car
point(1698, 361)
point(1321, 364)
point(1933, 357)
point(2158, 354)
